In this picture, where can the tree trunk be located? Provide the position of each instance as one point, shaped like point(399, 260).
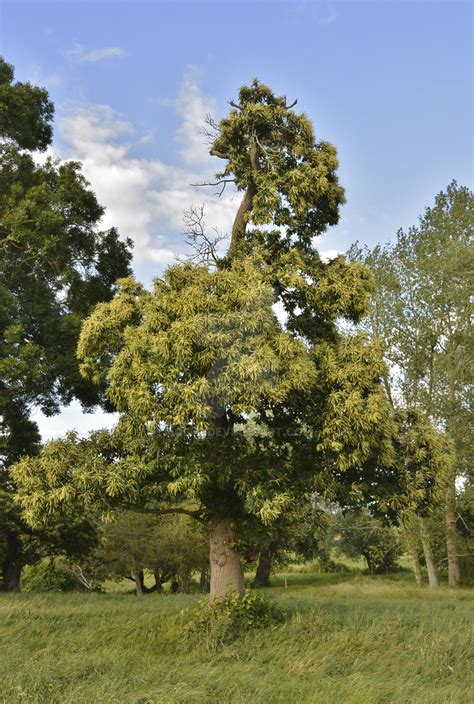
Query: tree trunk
point(416, 566)
point(410, 543)
point(454, 570)
point(430, 564)
point(11, 565)
point(158, 582)
point(204, 581)
point(370, 563)
point(138, 578)
point(262, 575)
point(226, 569)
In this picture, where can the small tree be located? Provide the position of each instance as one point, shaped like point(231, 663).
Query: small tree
point(362, 535)
point(172, 547)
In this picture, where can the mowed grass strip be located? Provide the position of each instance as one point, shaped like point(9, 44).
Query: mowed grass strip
point(356, 640)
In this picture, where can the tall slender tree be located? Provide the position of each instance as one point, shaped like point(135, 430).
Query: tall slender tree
point(422, 310)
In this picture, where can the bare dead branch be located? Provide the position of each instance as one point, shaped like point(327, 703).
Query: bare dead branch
point(211, 129)
point(203, 245)
point(222, 181)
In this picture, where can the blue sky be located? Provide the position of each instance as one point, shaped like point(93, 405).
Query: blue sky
point(388, 82)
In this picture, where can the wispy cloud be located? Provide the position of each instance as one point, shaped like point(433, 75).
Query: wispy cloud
point(321, 12)
point(80, 54)
point(146, 198)
point(50, 81)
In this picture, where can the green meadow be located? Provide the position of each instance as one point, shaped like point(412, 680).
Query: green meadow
point(347, 638)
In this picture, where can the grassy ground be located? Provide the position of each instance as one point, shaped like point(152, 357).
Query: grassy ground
point(350, 639)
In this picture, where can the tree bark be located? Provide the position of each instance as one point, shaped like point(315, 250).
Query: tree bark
point(245, 207)
point(11, 565)
point(410, 543)
point(454, 570)
point(226, 569)
point(158, 582)
point(369, 561)
point(204, 584)
point(264, 567)
point(430, 564)
point(138, 578)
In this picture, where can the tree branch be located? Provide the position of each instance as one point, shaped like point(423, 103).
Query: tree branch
point(221, 155)
point(197, 515)
point(223, 181)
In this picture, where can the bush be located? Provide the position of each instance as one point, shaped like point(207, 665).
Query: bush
point(214, 624)
point(51, 574)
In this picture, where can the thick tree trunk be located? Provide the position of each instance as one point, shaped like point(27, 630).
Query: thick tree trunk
point(264, 567)
point(11, 565)
point(430, 564)
point(454, 570)
point(410, 543)
point(226, 568)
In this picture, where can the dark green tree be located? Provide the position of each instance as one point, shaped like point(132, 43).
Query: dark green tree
point(55, 265)
point(297, 534)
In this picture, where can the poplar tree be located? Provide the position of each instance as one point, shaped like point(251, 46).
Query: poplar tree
point(188, 363)
point(422, 311)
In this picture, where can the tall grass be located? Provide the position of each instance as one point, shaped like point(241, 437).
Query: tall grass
point(354, 640)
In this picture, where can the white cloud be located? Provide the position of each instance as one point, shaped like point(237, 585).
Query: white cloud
point(72, 417)
point(146, 198)
point(328, 254)
point(192, 108)
point(80, 54)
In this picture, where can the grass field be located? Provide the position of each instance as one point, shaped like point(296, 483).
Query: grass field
point(349, 639)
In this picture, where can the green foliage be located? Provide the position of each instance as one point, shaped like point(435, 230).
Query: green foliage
point(218, 623)
point(361, 535)
point(294, 175)
point(422, 312)
point(50, 574)
point(25, 111)
point(424, 459)
point(200, 342)
point(173, 547)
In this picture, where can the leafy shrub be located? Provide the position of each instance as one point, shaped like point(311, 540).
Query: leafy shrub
point(214, 624)
point(51, 574)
